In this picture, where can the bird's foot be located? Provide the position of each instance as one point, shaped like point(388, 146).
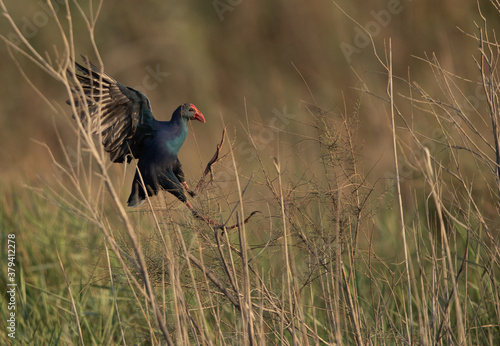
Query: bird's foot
point(191, 192)
point(200, 216)
point(216, 224)
point(228, 228)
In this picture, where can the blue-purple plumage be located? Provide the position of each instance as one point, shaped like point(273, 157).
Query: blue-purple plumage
point(123, 117)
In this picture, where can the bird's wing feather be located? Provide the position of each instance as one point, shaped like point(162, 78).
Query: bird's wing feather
point(121, 115)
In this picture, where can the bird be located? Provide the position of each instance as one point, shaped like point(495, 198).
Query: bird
point(123, 118)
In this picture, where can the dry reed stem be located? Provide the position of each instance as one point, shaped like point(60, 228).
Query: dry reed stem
point(208, 169)
point(432, 179)
point(390, 92)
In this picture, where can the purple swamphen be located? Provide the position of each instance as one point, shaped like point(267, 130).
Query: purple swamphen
point(124, 119)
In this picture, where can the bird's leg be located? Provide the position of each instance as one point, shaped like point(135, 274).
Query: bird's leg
point(202, 182)
point(186, 186)
point(244, 221)
point(197, 215)
point(215, 223)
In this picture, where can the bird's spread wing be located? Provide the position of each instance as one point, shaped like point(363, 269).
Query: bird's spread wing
point(121, 115)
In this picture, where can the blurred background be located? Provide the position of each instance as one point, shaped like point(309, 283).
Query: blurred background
point(250, 65)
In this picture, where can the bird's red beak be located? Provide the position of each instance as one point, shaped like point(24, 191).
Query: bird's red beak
point(198, 116)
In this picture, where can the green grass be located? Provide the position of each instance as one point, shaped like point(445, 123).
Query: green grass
point(341, 274)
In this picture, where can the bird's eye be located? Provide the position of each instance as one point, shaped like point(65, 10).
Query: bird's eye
point(191, 109)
